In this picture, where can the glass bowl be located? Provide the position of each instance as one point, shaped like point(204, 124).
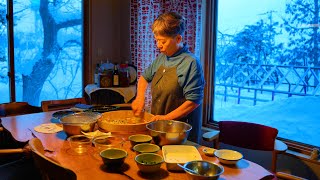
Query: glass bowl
point(79, 144)
point(107, 141)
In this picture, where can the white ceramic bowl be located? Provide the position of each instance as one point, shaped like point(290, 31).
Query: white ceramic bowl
point(227, 156)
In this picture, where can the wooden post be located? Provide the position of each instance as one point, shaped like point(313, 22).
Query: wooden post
point(255, 97)
point(239, 94)
point(225, 93)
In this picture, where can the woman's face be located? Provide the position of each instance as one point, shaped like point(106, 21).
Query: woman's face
point(168, 45)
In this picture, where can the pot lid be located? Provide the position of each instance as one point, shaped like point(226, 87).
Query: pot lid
point(81, 117)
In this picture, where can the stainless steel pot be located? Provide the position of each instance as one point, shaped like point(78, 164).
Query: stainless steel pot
point(74, 124)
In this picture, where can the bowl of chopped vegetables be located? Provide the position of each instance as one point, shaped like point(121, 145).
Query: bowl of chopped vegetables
point(149, 162)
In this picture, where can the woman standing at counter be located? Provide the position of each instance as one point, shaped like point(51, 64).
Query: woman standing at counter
point(176, 77)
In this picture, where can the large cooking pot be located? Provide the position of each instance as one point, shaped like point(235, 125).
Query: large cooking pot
point(74, 124)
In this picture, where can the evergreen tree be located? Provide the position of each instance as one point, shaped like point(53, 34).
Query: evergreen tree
point(302, 24)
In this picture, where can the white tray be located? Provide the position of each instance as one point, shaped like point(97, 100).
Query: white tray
point(174, 154)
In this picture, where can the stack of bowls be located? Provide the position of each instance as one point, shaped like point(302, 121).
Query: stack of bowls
point(139, 138)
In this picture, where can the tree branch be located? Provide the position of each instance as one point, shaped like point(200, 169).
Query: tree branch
point(69, 23)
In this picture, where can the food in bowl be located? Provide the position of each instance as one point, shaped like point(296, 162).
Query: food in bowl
point(166, 132)
point(146, 148)
point(208, 151)
point(203, 170)
point(79, 144)
point(75, 124)
point(113, 157)
point(227, 156)
point(139, 138)
point(107, 141)
point(148, 162)
point(123, 121)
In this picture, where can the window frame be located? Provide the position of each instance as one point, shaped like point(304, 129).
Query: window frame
point(208, 60)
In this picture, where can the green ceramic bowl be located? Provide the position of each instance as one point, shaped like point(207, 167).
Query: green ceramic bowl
point(113, 157)
point(146, 148)
point(149, 162)
point(139, 138)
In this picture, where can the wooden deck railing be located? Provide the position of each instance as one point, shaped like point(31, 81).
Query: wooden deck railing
point(232, 79)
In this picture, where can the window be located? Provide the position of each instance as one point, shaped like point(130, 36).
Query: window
point(266, 66)
point(47, 50)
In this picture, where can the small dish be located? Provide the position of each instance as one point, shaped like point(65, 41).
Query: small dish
point(179, 154)
point(208, 151)
point(227, 156)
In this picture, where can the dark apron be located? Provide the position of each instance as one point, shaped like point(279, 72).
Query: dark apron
point(167, 95)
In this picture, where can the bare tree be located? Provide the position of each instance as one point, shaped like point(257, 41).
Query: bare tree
point(51, 50)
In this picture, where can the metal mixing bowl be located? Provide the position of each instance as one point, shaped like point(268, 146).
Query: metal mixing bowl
point(203, 170)
point(166, 132)
point(74, 124)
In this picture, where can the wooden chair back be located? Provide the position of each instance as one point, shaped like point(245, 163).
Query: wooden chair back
point(48, 168)
point(54, 105)
point(247, 135)
point(17, 108)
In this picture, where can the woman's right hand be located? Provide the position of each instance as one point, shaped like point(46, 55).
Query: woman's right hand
point(137, 107)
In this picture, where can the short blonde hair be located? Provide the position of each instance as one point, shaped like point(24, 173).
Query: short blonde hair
point(169, 24)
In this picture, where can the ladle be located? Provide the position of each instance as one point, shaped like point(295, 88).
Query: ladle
point(187, 169)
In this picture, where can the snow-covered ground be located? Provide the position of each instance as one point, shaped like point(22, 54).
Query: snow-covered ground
point(297, 118)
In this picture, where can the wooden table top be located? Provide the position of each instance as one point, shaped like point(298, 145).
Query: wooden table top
point(90, 165)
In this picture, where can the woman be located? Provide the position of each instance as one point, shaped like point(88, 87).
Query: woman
point(176, 77)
